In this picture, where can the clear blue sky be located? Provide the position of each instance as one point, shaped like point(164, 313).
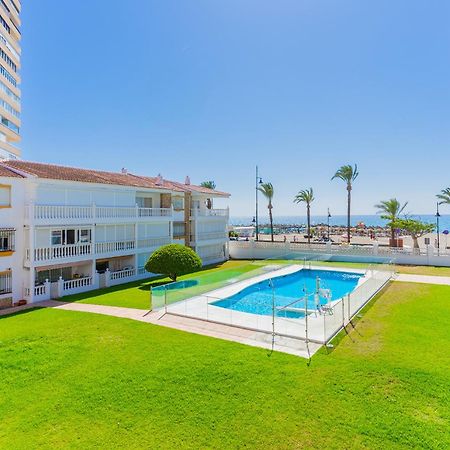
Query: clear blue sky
point(210, 88)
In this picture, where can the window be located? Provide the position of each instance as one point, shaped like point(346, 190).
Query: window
point(5, 282)
point(9, 92)
point(7, 107)
point(70, 237)
point(5, 196)
point(8, 60)
point(84, 236)
point(178, 203)
point(57, 237)
point(5, 25)
point(7, 239)
point(9, 124)
point(8, 76)
point(53, 275)
point(144, 202)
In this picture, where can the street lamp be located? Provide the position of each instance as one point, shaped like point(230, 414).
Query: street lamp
point(437, 225)
point(258, 181)
point(328, 223)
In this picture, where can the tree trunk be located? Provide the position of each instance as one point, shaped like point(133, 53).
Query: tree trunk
point(393, 234)
point(415, 242)
point(308, 214)
point(271, 222)
point(349, 206)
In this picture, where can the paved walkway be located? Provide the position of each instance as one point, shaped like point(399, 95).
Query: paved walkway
point(426, 279)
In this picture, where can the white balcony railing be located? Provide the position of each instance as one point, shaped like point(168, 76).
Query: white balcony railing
point(51, 212)
point(40, 290)
point(121, 274)
point(59, 252)
point(200, 212)
point(113, 247)
point(154, 242)
point(77, 283)
point(68, 212)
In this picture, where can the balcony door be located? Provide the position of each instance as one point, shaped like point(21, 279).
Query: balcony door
point(70, 236)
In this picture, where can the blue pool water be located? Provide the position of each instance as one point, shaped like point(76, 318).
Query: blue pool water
point(258, 298)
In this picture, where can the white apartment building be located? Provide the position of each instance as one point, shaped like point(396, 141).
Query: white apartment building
point(66, 230)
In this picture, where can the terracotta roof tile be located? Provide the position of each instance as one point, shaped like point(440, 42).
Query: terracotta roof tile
point(56, 172)
point(6, 172)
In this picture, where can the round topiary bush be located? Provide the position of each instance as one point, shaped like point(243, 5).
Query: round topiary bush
point(173, 260)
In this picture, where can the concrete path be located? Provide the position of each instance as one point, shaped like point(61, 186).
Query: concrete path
point(426, 279)
point(235, 334)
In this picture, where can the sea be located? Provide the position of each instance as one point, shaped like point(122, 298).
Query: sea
point(368, 220)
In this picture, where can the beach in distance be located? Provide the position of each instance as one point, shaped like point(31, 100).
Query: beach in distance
point(338, 220)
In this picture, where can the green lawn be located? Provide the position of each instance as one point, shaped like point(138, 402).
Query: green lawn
point(82, 380)
point(137, 294)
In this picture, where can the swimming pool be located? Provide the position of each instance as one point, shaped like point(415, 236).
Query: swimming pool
point(258, 298)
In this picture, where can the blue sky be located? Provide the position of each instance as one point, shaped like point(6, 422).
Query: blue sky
point(211, 88)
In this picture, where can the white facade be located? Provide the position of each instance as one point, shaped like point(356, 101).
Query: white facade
point(72, 237)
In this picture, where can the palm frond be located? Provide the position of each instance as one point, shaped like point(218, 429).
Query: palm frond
point(208, 184)
point(444, 196)
point(347, 173)
point(305, 196)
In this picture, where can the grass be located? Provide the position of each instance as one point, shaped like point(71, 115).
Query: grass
point(137, 294)
point(82, 380)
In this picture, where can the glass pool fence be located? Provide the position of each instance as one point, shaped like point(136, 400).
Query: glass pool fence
point(313, 316)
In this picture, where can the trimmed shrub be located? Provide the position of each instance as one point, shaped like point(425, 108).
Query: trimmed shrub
point(173, 260)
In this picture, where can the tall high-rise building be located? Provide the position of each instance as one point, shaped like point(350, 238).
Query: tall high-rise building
point(10, 79)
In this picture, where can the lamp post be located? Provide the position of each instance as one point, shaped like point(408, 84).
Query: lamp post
point(328, 224)
point(258, 181)
point(437, 226)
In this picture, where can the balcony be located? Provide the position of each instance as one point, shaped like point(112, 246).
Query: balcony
point(67, 214)
point(45, 255)
point(204, 212)
point(114, 247)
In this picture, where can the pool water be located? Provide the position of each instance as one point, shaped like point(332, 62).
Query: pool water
point(258, 298)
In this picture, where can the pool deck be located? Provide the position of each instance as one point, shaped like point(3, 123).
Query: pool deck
point(201, 308)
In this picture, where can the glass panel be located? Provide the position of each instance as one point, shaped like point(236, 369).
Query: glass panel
point(56, 237)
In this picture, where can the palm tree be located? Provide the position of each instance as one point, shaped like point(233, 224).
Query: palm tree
point(444, 196)
point(391, 210)
point(267, 191)
point(306, 196)
point(348, 174)
point(208, 185)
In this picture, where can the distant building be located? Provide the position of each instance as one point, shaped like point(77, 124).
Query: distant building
point(65, 230)
point(245, 232)
point(10, 51)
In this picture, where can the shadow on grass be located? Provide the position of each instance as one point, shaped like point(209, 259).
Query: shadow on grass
point(7, 315)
